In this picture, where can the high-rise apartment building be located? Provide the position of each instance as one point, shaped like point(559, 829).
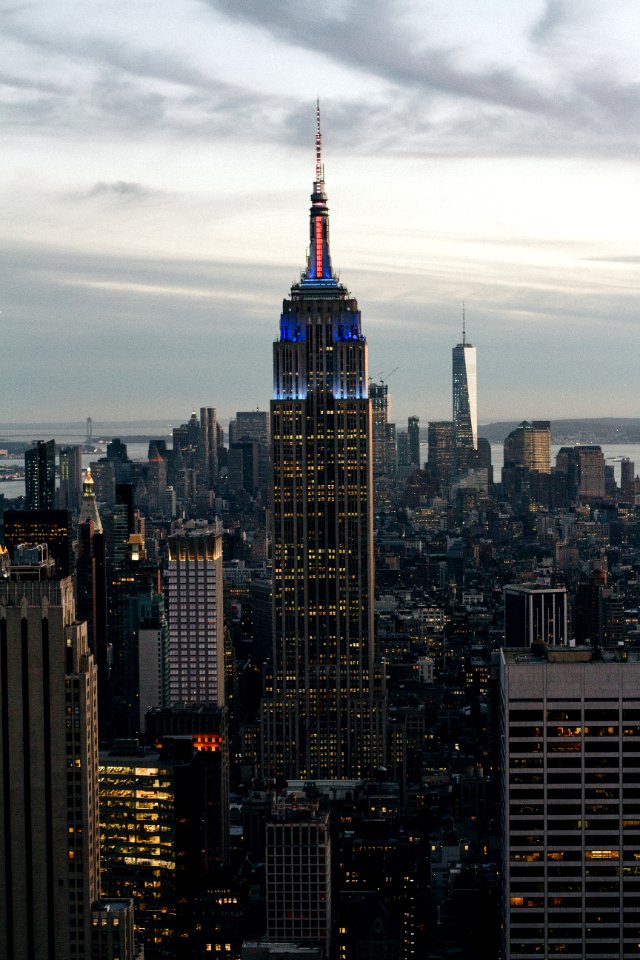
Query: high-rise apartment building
point(442, 449)
point(70, 488)
point(379, 395)
point(138, 640)
point(156, 483)
point(465, 398)
point(161, 817)
point(49, 757)
point(103, 472)
point(248, 457)
point(208, 444)
point(138, 826)
point(244, 466)
point(627, 479)
point(323, 708)
point(591, 473)
point(529, 446)
point(53, 527)
point(403, 448)
point(250, 425)
point(91, 590)
point(195, 616)
point(298, 869)
point(40, 475)
point(571, 801)
point(582, 469)
point(206, 726)
point(413, 434)
point(383, 445)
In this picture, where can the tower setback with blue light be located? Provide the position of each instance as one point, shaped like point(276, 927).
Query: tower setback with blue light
point(323, 711)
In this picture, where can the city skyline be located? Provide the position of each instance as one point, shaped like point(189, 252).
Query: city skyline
point(151, 198)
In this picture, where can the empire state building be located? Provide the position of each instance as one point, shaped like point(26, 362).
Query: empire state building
point(323, 713)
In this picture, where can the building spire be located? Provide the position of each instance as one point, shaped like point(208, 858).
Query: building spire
point(464, 330)
point(319, 170)
point(319, 261)
point(89, 506)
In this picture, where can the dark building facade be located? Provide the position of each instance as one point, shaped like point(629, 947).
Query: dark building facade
point(91, 592)
point(70, 478)
point(413, 435)
point(48, 757)
point(535, 613)
point(442, 449)
point(52, 527)
point(40, 475)
point(323, 709)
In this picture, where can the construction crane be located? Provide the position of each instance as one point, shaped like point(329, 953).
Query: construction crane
point(382, 376)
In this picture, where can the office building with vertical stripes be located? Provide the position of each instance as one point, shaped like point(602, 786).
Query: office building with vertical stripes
point(323, 709)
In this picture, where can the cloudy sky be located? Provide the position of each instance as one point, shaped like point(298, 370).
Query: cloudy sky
point(157, 160)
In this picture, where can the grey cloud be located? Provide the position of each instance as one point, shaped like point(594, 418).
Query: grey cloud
point(121, 189)
point(497, 110)
point(95, 49)
point(369, 35)
point(555, 15)
point(613, 259)
point(29, 83)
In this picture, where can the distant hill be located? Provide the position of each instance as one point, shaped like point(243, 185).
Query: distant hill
point(596, 430)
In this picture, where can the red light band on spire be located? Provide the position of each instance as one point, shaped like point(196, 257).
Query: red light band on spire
point(319, 264)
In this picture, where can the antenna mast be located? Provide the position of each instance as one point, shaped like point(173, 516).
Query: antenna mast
point(319, 170)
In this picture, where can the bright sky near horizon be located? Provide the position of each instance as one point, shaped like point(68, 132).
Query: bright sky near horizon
point(157, 162)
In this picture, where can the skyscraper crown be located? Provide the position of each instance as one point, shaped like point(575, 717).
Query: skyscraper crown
point(319, 269)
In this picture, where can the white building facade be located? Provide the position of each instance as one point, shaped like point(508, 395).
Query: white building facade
point(195, 616)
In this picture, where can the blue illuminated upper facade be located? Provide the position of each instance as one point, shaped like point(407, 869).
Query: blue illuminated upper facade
point(321, 349)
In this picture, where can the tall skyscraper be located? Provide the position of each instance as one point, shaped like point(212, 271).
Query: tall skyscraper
point(571, 768)
point(298, 871)
point(195, 616)
point(584, 470)
point(174, 805)
point(208, 444)
point(379, 395)
point(91, 591)
point(465, 398)
point(323, 709)
point(442, 449)
point(40, 475)
point(413, 433)
point(49, 758)
point(137, 637)
point(251, 425)
point(591, 473)
point(70, 478)
point(52, 527)
point(383, 445)
point(529, 446)
point(627, 479)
